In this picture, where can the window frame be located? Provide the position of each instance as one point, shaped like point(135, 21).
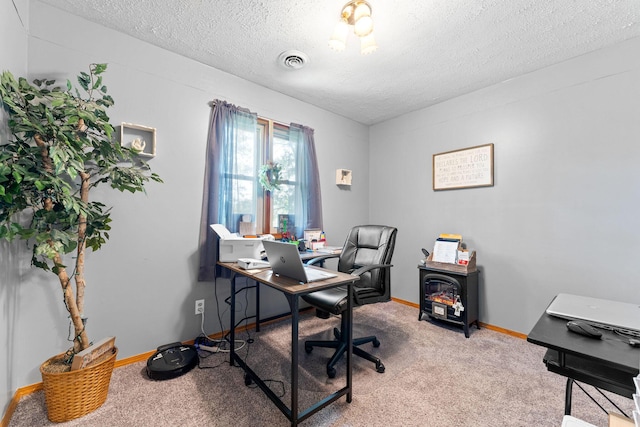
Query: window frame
point(267, 130)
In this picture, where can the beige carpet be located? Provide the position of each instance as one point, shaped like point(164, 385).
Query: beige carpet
point(434, 377)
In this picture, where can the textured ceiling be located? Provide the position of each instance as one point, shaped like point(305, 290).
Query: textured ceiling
point(429, 50)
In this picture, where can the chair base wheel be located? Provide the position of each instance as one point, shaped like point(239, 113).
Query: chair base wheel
point(340, 346)
point(337, 334)
point(331, 372)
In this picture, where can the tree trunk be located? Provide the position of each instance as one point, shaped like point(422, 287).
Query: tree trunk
point(80, 340)
point(82, 231)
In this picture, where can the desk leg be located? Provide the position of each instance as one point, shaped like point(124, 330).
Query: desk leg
point(295, 318)
point(257, 306)
point(232, 327)
point(567, 396)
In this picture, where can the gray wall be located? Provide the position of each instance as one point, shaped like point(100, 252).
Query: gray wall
point(14, 24)
point(13, 57)
point(562, 215)
point(142, 284)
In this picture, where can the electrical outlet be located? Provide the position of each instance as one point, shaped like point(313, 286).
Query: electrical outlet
point(199, 306)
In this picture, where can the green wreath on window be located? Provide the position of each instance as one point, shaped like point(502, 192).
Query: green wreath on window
point(269, 175)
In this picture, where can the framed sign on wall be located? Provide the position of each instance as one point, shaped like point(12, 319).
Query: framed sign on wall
point(464, 168)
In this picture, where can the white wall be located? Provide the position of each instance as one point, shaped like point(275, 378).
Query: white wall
point(13, 57)
point(142, 284)
point(14, 24)
point(562, 215)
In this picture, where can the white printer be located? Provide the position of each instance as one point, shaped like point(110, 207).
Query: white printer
point(232, 246)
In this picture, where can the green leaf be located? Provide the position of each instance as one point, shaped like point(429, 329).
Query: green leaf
point(27, 233)
point(17, 176)
point(99, 68)
point(73, 173)
point(58, 268)
point(5, 171)
point(107, 100)
point(97, 83)
point(84, 79)
point(39, 264)
point(14, 228)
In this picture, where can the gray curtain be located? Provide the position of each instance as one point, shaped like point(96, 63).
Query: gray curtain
point(226, 125)
point(308, 199)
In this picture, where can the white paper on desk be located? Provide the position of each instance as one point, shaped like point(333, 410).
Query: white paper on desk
point(445, 251)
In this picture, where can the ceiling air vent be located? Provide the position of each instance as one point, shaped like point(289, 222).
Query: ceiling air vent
point(293, 59)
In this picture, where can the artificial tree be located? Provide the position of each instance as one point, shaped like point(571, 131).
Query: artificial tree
point(61, 146)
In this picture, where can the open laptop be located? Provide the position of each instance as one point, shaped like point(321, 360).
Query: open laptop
point(285, 261)
point(620, 316)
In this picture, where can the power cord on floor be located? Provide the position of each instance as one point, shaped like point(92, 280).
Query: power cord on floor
point(203, 342)
point(207, 346)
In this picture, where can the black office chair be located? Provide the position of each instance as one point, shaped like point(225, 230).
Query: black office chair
point(366, 253)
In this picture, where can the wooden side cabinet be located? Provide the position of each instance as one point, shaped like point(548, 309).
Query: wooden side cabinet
point(448, 295)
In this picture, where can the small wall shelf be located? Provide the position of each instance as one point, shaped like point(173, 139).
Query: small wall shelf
point(142, 138)
point(343, 177)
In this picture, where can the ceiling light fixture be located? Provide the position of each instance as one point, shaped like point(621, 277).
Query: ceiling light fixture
point(356, 13)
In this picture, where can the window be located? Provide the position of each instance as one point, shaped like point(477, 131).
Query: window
point(268, 209)
point(277, 205)
point(238, 145)
point(243, 175)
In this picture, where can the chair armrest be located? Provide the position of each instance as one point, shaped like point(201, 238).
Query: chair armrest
point(321, 258)
point(361, 270)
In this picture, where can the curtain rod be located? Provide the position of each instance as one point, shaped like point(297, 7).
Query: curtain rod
point(280, 122)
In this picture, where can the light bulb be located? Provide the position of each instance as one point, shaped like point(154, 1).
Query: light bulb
point(363, 26)
point(338, 40)
point(362, 9)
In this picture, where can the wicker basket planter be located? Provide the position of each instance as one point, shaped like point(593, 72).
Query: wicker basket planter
point(73, 394)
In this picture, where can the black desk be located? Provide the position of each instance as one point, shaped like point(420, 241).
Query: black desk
point(608, 364)
point(292, 291)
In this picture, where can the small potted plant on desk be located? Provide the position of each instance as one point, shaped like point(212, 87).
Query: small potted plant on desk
point(60, 147)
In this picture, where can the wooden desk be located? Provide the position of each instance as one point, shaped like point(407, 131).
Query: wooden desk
point(608, 364)
point(292, 290)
